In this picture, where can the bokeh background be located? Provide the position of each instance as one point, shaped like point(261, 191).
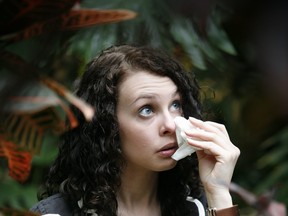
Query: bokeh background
point(238, 50)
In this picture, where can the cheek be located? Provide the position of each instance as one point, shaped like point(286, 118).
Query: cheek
point(136, 139)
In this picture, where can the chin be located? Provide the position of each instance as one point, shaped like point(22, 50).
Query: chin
point(167, 165)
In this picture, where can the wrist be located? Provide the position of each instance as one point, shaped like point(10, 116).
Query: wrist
point(231, 211)
point(219, 200)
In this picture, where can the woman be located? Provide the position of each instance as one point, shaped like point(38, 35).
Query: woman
point(120, 163)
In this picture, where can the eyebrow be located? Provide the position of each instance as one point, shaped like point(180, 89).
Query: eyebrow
point(144, 96)
point(151, 96)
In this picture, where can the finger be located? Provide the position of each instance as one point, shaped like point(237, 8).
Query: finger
point(207, 136)
point(220, 127)
point(208, 147)
point(213, 134)
point(226, 152)
point(209, 126)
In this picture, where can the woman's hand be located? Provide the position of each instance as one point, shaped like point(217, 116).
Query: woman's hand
point(217, 160)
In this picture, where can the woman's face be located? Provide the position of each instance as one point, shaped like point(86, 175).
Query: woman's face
point(146, 110)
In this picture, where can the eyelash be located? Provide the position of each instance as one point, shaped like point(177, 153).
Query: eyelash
point(178, 102)
point(143, 108)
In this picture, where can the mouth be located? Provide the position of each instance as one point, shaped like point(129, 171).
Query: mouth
point(168, 150)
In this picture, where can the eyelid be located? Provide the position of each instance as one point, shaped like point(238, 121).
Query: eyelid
point(151, 106)
point(144, 107)
point(179, 103)
point(147, 106)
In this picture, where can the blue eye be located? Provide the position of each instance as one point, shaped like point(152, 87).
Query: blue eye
point(145, 111)
point(176, 105)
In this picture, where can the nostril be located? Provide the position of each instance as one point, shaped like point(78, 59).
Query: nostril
point(169, 128)
point(168, 124)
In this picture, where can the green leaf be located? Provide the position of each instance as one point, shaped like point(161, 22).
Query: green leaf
point(184, 34)
point(220, 38)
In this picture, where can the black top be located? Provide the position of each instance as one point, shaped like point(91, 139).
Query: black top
point(56, 204)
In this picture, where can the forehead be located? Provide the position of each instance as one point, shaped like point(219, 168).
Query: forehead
point(144, 82)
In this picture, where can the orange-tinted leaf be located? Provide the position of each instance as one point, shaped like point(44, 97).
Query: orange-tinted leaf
point(19, 14)
point(19, 162)
point(15, 212)
point(75, 19)
point(26, 129)
point(12, 60)
point(85, 108)
point(22, 135)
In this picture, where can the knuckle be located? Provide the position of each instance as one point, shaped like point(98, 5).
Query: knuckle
point(222, 127)
point(236, 153)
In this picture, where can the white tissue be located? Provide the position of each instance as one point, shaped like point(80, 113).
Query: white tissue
point(184, 149)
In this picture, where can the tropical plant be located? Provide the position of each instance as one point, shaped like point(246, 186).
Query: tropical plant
point(34, 105)
point(33, 108)
point(204, 42)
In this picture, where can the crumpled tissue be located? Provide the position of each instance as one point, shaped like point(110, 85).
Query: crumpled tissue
point(184, 149)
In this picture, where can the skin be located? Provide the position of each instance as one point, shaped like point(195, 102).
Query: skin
point(146, 110)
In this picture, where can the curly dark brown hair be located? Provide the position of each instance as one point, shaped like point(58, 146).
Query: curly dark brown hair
point(90, 163)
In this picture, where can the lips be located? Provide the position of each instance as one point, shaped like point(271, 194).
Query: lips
point(168, 150)
point(168, 146)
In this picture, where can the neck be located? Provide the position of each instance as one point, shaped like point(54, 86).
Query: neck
point(138, 193)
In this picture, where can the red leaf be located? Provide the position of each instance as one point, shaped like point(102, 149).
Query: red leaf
point(86, 109)
point(18, 64)
point(19, 14)
point(75, 19)
point(19, 162)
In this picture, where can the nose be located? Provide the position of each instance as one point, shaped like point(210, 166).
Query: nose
point(167, 125)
